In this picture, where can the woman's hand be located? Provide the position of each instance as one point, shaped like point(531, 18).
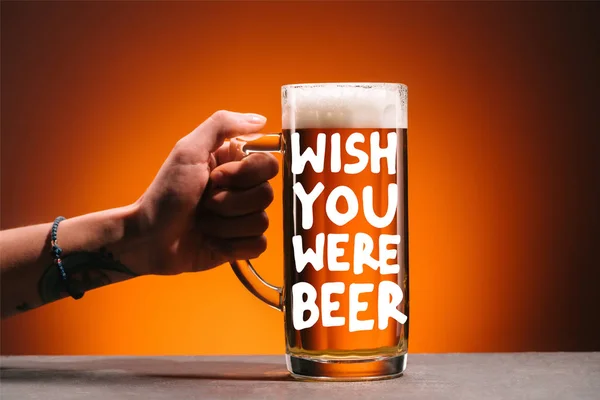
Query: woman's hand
point(206, 205)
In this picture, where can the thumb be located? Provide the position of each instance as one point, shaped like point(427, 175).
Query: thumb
point(223, 125)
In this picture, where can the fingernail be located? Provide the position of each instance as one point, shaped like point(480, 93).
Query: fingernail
point(255, 118)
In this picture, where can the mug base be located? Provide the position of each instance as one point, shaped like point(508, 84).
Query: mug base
point(315, 369)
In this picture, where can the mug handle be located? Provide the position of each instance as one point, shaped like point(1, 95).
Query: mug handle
point(243, 269)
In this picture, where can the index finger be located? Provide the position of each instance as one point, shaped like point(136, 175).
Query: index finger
point(212, 133)
point(246, 173)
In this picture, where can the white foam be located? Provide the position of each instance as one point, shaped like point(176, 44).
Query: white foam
point(344, 105)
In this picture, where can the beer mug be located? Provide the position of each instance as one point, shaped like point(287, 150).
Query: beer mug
point(345, 291)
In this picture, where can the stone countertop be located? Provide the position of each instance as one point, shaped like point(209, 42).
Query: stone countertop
point(428, 376)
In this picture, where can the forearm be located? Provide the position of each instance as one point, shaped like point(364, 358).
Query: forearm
point(97, 249)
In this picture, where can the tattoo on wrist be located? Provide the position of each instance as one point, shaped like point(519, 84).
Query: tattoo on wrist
point(85, 271)
point(23, 307)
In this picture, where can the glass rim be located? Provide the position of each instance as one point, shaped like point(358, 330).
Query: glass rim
point(366, 85)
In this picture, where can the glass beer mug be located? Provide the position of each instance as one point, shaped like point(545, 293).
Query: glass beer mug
point(345, 291)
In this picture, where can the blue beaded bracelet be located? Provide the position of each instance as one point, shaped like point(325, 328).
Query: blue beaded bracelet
point(56, 253)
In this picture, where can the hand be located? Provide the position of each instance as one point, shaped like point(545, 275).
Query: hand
point(206, 205)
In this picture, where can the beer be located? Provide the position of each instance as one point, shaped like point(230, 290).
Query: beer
point(337, 342)
point(345, 292)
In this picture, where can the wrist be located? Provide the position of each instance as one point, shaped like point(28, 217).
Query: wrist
point(116, 231)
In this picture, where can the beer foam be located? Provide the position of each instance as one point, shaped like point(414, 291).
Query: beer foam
point(344, 105)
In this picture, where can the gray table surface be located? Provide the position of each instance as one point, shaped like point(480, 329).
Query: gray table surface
point(428, 376)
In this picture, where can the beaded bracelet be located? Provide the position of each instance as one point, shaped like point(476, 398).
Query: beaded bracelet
point(57, 252)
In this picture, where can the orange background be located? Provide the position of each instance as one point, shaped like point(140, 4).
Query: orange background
point(503, 157)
